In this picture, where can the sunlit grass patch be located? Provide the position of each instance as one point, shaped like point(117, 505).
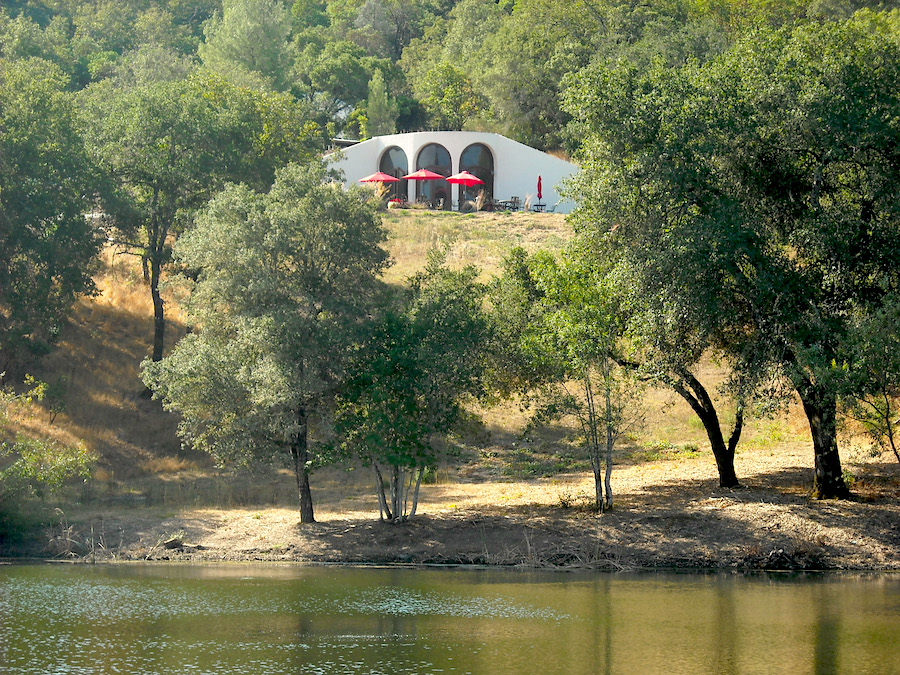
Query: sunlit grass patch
point(659, 450)
point(542, 462)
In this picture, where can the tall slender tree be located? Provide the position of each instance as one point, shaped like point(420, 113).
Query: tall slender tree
point(169, 146)
point(566, 336)
point(381, 111)
point(424, 357)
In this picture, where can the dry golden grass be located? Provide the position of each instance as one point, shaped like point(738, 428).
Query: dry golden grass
point(481, 239)
point(98, 359)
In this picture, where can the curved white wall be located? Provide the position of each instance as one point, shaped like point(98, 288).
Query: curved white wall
point(516, 166)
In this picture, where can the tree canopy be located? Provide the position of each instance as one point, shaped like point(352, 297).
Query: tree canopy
point(423, 358)
point(169, 145)
point(248, 43)
point(47, 188)
point(737, 197)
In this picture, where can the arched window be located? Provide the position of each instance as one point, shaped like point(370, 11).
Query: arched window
point(478, 161)
point(435, 158)
point(394, 162)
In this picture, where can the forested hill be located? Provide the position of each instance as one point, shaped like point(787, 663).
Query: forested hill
point(366, 67)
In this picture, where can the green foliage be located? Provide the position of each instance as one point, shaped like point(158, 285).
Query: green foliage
point(248, 44)
point(564, 327)
point(739, 15)
point(334, 75)
point(103, 26)
point(411, 114)
point(170, 145)
point(181, 140)
point(385, 27)
point(32, 467)
point(157, 26)
point(451, 99)
point(53, 394)
point(23, 38)
point(532, 462)
point(308, 14)
point(381, 112)
point(657, 450)
point(874, 376)
point(150, 64)
point(47, 246)
point(751, 202)
point(453, 41)
point(421, 361)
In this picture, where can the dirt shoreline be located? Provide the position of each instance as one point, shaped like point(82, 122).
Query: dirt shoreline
point(667, 515)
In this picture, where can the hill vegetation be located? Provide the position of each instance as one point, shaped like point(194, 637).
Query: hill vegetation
point(735, 244)
point(509, 493)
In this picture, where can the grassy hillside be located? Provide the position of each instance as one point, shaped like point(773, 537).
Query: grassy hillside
point(141, 461)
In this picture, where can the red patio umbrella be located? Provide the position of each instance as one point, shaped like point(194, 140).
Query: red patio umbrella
point(539, 188)
point(465, 178)
point(379, 177)
point(424, 174)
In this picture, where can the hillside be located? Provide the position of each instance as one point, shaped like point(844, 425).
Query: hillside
point(510, 498)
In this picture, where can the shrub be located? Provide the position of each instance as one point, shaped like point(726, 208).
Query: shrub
point(32, 467)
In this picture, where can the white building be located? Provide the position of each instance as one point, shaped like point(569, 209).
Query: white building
point(509, 169)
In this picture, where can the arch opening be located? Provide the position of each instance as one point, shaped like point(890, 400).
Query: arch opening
point(434, 157)
point(478, 160)
point(395, 163)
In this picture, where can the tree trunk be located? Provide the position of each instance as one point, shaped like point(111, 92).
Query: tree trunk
point(887, 419)
point(406, 485)
point(384, 511)
point(396, 493)
point(593, 437)
point(820, 406)
point(610, 438)
point(692, 391)
point(157, 232)
point(156, 242)
point(415, 503)
point(724, 454)
point(607, 480)
point(159, 320)
point(300, 455)
point(598, 479)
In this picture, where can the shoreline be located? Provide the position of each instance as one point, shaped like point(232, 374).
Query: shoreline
point(759, 535)
point(668, 514)
point(162, 563)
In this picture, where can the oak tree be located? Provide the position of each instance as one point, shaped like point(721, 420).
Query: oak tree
point(752, 201)
point(283, 278)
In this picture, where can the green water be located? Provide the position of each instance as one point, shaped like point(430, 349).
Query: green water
point(288, 619)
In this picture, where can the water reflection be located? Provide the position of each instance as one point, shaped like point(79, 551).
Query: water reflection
point(826, 638)
point(725, 659)
point(175, 619)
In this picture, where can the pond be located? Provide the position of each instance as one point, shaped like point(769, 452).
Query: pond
point(276, 619)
